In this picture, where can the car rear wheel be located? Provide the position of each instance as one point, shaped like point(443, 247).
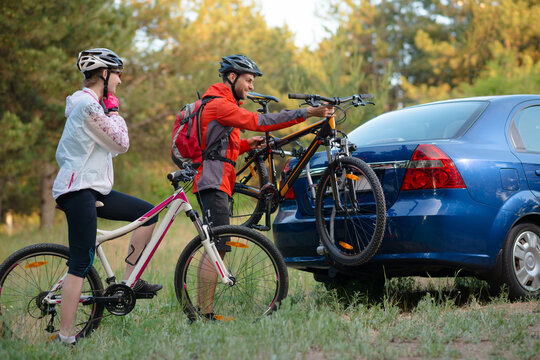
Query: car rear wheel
point(521, 261)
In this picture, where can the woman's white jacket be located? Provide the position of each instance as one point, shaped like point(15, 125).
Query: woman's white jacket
point(89, 142)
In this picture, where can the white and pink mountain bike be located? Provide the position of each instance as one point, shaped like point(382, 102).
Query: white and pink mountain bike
point(250, 280)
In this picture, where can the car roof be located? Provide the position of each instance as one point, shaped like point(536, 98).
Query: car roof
point(491, 98)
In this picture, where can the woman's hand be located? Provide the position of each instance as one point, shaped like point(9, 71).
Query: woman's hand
point(256, 142)
point(111, 103)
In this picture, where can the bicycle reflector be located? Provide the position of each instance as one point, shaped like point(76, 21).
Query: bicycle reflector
point(430, 168)
point(36, 264)
point(236, 244)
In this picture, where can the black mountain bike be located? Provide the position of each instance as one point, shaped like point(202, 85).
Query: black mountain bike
point(350, 208)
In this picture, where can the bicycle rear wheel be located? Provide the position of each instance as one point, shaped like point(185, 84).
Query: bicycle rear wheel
point(26, 277)
point(261, 278)
point(353, 231)
point(245, 207)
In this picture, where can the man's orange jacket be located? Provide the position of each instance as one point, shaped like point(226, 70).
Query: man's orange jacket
point(219, 116)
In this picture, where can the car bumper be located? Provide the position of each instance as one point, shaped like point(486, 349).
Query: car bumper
point(443, 228)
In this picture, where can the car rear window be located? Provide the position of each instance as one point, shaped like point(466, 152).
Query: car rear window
point(419, 123)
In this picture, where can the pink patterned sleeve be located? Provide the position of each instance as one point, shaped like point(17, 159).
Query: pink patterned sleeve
point(108, 131)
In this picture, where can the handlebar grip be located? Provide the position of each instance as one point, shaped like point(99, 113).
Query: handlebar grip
point(367, 96)
point(298, 96)
point(171, 176)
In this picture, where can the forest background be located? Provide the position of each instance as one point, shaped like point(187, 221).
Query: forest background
point(405, 52)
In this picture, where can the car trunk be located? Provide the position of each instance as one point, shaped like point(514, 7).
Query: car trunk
point(389, 163)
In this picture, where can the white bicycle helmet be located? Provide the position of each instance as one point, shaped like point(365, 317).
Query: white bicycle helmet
point(92, 59)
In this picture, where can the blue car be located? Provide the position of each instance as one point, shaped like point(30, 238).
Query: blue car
point(461, 180)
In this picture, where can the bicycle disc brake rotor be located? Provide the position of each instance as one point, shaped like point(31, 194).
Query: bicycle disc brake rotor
point(122, 299)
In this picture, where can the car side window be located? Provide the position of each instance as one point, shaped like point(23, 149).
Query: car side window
point(527, 125)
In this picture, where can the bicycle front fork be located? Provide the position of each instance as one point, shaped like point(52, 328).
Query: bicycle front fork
point(210, 248)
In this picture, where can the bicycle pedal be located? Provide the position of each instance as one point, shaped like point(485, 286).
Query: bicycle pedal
point(260, 227)
point(148, 295)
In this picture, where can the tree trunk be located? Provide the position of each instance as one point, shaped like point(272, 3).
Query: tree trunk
point(47, 201)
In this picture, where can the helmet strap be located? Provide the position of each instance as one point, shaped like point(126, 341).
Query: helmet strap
point(105, 90)
point(233, 85)
point(105, 83)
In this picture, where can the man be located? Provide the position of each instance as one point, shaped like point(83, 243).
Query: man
point(221, 121)
point(223, 115)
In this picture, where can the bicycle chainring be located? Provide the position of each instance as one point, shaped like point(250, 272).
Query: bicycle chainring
point(122, 299)
point(270, 193)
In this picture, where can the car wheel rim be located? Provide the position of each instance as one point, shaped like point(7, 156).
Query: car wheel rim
point(526, 255)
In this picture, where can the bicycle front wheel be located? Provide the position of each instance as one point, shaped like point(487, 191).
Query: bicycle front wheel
point(246, 207)
point(350, 211)
point(26, 277)
point(260, 274)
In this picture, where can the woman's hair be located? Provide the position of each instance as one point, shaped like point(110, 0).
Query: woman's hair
point(92, 77)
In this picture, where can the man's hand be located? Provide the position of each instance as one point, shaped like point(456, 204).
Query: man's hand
point(320, 111)
point(256, 142)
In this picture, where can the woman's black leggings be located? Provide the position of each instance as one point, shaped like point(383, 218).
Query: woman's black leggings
point(81, 213)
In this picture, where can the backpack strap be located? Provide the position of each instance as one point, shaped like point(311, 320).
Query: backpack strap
point(205, 100)
point(188, 118)
point(212, 151)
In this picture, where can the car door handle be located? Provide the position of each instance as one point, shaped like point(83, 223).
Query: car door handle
point(537, 172)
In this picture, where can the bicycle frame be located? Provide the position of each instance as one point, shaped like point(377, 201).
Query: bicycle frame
point(324, 130)
point(177, 203)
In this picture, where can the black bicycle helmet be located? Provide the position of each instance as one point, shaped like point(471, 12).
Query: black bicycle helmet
point(239, 64)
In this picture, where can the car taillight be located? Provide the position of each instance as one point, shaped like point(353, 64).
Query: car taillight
point(284, 174)
point(430, 168)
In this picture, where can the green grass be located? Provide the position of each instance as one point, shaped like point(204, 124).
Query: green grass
point(410, 318)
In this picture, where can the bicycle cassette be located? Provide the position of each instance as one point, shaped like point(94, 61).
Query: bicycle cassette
point(270, 194)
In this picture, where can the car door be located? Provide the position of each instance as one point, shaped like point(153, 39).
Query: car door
point(525, 137)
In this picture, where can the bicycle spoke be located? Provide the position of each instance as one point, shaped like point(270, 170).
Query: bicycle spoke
point(26, 278)
point(258, 283)
point(352, 231)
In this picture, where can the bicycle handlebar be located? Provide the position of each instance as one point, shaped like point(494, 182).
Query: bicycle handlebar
point(357, 99)
point(185, 174)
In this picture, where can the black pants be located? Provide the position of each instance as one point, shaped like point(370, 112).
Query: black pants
point(215, 210)
point(81, 214)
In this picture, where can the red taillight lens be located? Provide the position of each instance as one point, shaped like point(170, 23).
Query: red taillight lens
point(290, 193)
point(430, 168)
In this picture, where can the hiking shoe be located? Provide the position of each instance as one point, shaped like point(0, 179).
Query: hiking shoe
point(56, 339)
point(209, 316)
point(142, 287)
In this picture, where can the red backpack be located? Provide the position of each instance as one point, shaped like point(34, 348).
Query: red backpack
point(187, 136)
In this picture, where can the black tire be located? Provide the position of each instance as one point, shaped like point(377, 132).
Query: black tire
point(261, 278)
point(245, 207)
point(29, 274)
point(353, 235)
point(521, 261)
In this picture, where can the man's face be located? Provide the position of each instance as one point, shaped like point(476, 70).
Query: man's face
point(244, 85)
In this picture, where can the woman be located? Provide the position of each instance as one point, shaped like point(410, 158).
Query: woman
point(93, 134)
